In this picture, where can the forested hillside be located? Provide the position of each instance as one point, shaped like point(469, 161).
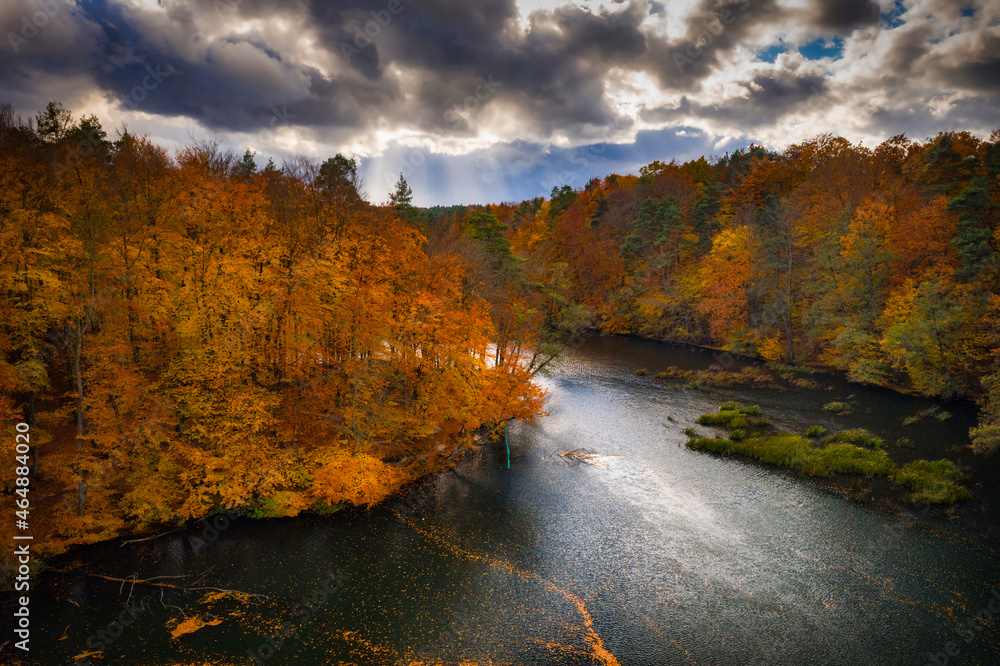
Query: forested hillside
point(189, 333)
point(879, 261)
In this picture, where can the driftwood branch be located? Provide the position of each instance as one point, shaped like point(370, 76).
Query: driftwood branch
point(149, 538)
point(169, 606)
point(151, 582)
point(585, 456)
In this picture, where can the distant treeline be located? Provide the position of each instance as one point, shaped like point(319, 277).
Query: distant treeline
point(879, 261)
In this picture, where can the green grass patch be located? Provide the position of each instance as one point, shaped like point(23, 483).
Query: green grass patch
point(800, 369)
point(838, 407)
point(734, 406)
point(931, 412)
point(720, 418)
point(854, 451)
point(937, 482)
point(798, 453)
point(858, 436)
point(729, 417)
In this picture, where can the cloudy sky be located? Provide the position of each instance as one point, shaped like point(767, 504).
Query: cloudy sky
point(488, 100)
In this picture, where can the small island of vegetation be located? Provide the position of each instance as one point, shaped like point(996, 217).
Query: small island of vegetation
point(855, 452)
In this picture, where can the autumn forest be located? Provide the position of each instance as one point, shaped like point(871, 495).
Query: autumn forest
point(190, 332)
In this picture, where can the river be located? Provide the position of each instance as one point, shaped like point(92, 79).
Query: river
point(653, 555)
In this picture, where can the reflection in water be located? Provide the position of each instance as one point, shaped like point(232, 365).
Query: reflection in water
point(660, 555)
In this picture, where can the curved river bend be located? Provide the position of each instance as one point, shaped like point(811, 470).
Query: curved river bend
point(656, 555)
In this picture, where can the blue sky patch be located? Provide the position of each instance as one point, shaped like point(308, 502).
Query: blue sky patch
point(823, 47)
point(894, 17)
point(770, 53)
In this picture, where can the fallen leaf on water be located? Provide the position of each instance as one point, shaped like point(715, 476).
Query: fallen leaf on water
point(191, 625)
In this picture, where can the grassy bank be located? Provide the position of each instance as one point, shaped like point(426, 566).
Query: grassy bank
point(855, 452)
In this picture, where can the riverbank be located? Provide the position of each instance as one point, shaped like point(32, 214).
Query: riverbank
point(725, 360)
point(51, 540)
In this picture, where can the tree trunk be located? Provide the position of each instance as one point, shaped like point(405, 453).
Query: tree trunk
point(788, 293)
point(81, 494)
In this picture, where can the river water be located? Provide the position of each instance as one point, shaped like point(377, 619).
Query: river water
point(653, 555)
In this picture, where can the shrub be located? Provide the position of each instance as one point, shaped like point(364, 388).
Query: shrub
point(760, 422)
point(641, 372)
point(815, 431)
point(937, 482)
point(838, 407)
point(325, 508)
point(858, 436)
point(662, 375)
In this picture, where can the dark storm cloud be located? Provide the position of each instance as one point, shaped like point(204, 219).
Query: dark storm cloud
point(713, 29)
point(977, 69)
point(921, 123)
point(42, 42)
point(842, 16)
point(554, 73)
point(767, 96)
point(447, 74)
